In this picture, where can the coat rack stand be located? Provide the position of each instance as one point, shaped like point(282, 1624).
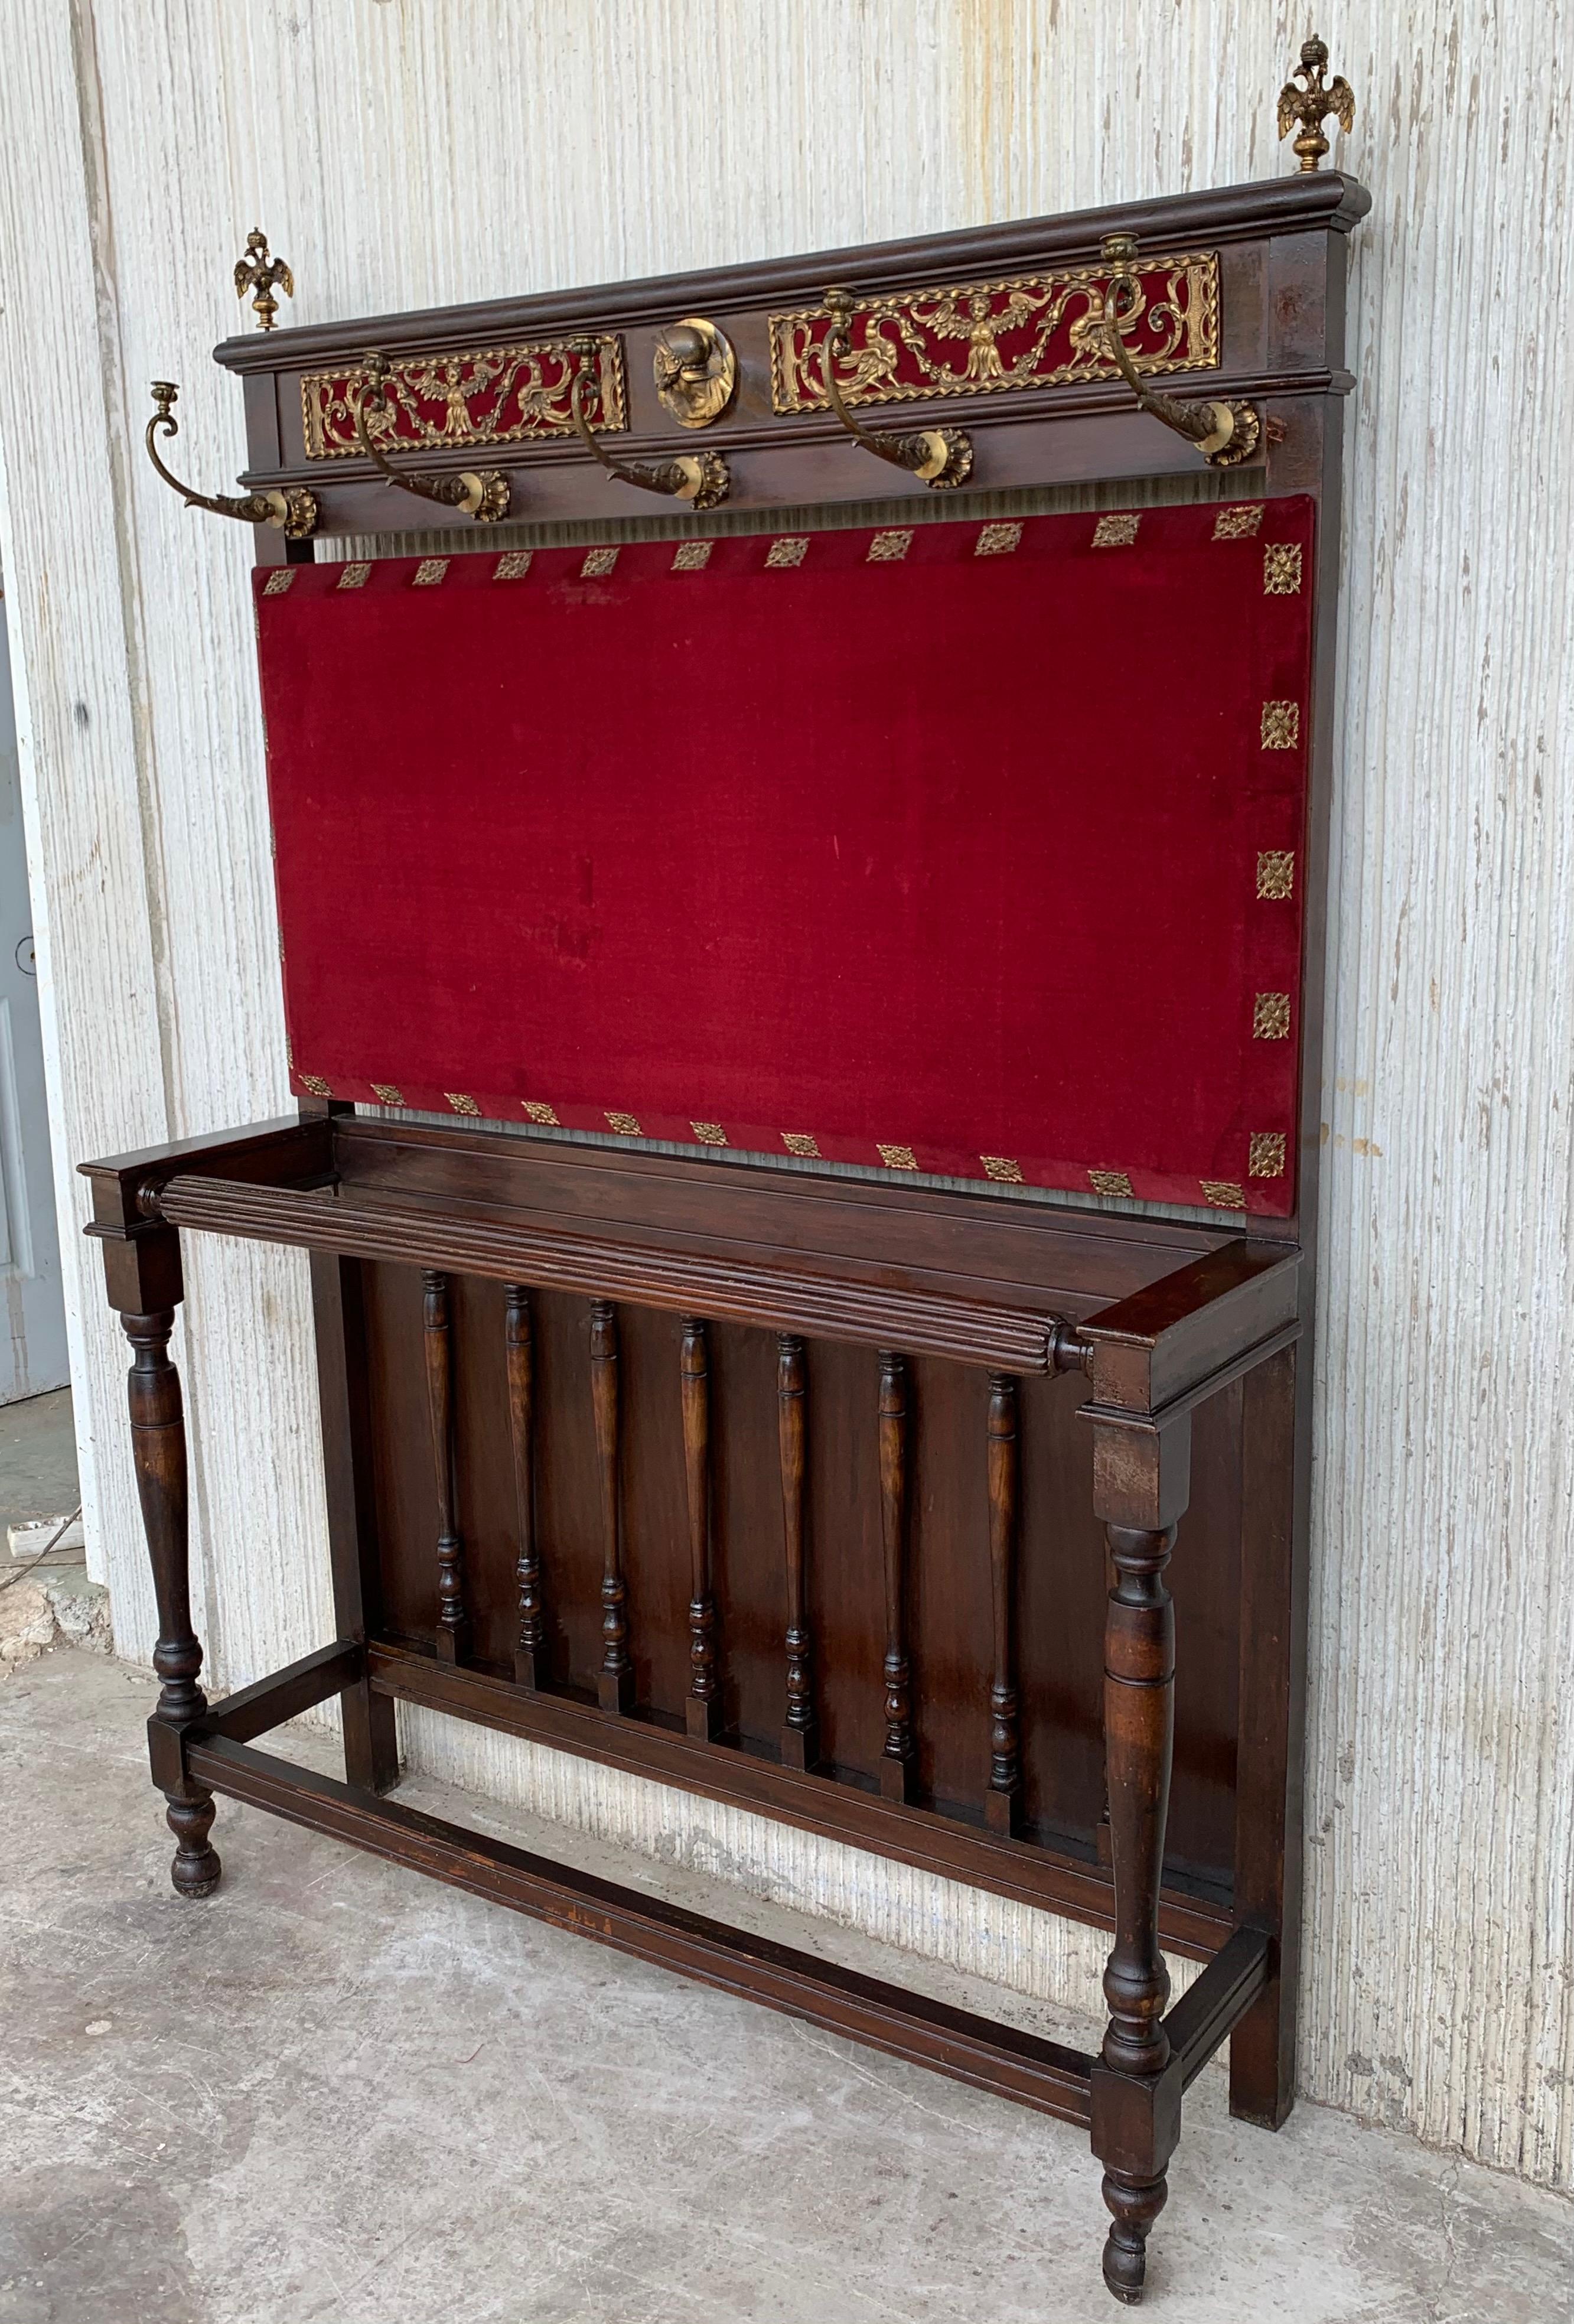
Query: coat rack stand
point(962, 1524)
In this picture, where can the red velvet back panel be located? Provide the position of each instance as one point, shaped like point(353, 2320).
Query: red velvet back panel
point(976, 849)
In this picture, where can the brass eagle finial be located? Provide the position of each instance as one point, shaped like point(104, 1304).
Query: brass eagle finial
point(260, 272)
point(1312, 105)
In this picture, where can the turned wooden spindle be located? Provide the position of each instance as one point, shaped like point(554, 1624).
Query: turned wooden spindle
point(158, 1444)
point(1003, 1800)
point(530, 1657)
point(899, 1762)
point(703, 1704)
point(452, 1621)
point(1139, 1683)
point(800, 1743)
point(614, 1684)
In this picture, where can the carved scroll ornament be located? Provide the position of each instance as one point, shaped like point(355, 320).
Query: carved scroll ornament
point(985, 338)
point(476, 395)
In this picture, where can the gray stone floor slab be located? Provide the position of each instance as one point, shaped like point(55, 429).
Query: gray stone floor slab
point(337, 2093)
point(37, 1459)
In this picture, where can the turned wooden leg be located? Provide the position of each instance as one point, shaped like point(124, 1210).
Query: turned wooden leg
point(158, 1444)
point(1133, 2204)
point(1140, 1685)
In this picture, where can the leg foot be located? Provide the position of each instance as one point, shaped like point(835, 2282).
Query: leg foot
point(195, 1869)
point(1134, 2204)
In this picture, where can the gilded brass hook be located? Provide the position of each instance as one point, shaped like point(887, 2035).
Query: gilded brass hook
point(701, 478)
point(294, 512)
point(1225, 434)
point(482, 493)
point(940, 456)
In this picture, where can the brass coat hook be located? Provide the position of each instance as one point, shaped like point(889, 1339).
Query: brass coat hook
point(700, 478)
point(294, 512)
point(480, 493)
point(1226, 434)
point(940, 456)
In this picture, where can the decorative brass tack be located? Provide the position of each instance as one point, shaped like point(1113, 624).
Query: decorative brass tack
point(292, 513)
point(696, 371)
point(482, 493)
point(260, 272)
point(1313, 102)
point(1226, 434)
point(700, 478)
point(940, 458)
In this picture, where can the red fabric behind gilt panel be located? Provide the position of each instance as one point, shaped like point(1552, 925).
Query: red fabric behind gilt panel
point(976, 849)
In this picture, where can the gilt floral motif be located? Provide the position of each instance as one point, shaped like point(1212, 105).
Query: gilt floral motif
point(474, 395)
point(984, 338)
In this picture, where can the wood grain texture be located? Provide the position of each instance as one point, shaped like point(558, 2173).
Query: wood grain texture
point(1004, 1474)
point(530, 1657)
point(899, 1755)
point(453, 1626)
point(703, 1704)
point(1439, 1853)
point(615, 1677)
point(800, 1739)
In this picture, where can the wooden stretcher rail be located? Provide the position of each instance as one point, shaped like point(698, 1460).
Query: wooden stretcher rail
point(777, 1298)
point(1034, 2072)
point(1217, 2000)
point(252, 1711)
point(215, 1751)
point(1193, 1924)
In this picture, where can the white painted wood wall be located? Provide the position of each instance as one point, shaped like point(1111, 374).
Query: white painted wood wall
point(403, 153)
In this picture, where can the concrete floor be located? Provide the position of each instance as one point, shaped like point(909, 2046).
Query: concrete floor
point(338, 2091)
point(37, 1459)
point(44, 1601)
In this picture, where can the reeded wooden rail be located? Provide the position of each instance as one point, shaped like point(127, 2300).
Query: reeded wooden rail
point(782, 1297)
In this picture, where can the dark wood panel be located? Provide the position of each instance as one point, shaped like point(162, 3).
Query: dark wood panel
point(1057, 1595)
point(746, 1506)
point(847, 1557)
point(569, 1512)
point(949, 1598)
point(656, 1544)
point(970, 1242)
point(397, 1448)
